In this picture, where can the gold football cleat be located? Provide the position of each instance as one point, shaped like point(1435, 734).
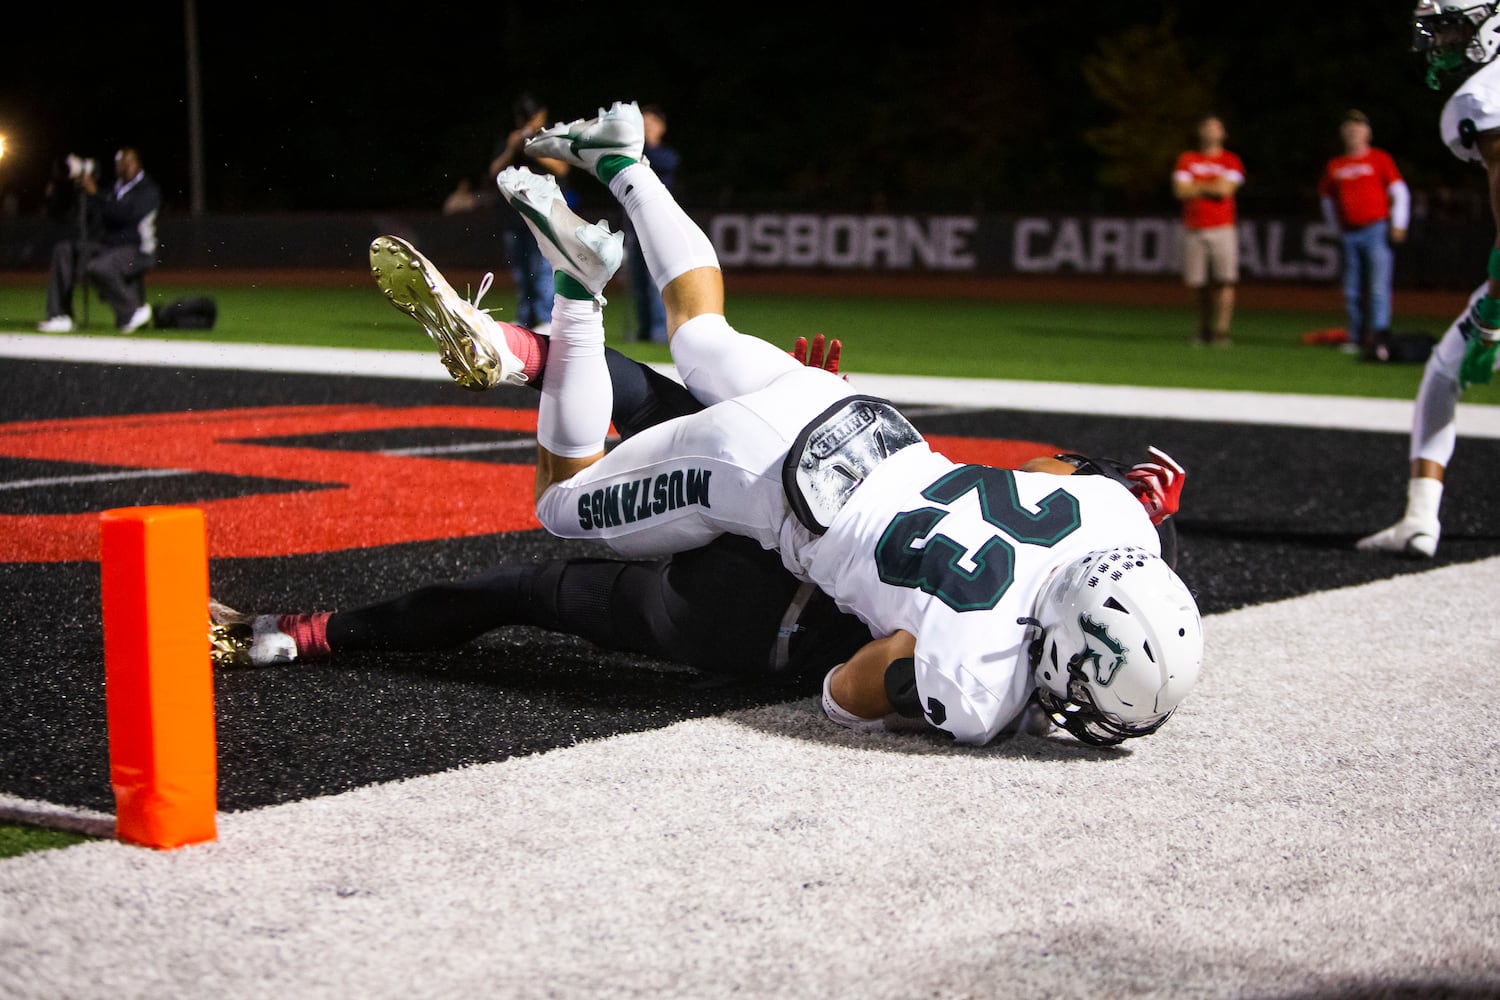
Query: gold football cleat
point(472, 345)
point(230, 634)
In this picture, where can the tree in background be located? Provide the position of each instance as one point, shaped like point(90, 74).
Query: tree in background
point(1144, 76)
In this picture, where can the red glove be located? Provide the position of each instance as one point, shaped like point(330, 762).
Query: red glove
point(817, 359)
point(1158, 485)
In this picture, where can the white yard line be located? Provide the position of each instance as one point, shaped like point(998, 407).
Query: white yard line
point(1293, 410)
point(31, 812)
point(94, 477)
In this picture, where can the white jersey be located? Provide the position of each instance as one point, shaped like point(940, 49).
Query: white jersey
point(956, 554)
point(1473, 108)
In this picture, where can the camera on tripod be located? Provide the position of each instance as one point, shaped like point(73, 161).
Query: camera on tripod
point(79, 167)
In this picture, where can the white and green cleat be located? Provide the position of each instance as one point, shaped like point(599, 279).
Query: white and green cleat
point(1408, 537)
point(472, 344)
point(617, 131)
point(587, 252)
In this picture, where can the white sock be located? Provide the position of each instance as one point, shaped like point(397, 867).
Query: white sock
point(1423, 497)
point(673, 243)
point(577, 397)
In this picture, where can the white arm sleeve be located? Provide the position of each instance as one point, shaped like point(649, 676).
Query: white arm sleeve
point(1400, 204)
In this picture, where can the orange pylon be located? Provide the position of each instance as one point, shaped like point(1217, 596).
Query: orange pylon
point(158, 674)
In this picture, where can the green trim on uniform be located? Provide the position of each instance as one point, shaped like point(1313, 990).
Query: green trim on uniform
point(612, 164)
point(570, 287)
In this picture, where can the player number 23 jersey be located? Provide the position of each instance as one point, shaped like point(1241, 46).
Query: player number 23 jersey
point(955, 554)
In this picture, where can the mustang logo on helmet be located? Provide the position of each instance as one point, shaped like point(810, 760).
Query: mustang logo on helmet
point(1116, 651)
point(1102, 674)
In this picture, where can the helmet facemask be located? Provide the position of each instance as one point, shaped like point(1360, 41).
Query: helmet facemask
point(1077, 713)
point(1455, 39)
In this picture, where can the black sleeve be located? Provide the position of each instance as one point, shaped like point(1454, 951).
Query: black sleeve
point(901, 688)
point(1166, 531)
point(643, 396)
point(1089, 466)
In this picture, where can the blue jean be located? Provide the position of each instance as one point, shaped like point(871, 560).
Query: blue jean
point(1368, 263)
point(650, 312)
point(533, 277)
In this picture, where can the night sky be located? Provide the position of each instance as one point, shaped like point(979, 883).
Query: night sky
point(320, 107)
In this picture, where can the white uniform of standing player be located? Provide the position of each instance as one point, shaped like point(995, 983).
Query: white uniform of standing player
point(1472, 111)
point(1474, 108)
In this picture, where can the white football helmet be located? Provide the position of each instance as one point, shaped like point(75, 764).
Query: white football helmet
point(1120, 644)
point(1456, 36)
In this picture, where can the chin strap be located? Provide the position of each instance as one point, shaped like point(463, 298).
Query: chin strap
point(1034, 645)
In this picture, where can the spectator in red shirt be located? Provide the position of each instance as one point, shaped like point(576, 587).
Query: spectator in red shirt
point(1205, 180)
point(1362, 193)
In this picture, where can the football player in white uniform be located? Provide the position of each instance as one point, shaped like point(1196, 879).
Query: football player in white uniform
point(981, 585)
point(1459, 40)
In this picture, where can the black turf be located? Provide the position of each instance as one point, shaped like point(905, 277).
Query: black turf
point(1267, 513)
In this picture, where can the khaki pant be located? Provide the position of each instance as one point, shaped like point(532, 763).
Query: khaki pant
point(1210, 256)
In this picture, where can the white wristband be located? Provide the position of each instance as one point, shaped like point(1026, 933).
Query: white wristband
point(846, 719)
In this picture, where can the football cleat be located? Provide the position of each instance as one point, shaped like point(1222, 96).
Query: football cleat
point(472, 344)
point(618, 131)
point(237, 639)
point(1408, 536)
point(56, 324)
point(588, 253)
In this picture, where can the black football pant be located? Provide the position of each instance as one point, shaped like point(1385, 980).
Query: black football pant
point(114, 271)
point(716, 608)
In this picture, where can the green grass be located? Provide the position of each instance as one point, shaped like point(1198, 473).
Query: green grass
point(16, 839)
point(1068, 342)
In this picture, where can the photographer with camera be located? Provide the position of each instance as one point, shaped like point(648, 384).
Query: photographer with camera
point(116, 246)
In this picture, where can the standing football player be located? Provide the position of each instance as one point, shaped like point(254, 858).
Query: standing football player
point(984, 587)
point(1460, 41)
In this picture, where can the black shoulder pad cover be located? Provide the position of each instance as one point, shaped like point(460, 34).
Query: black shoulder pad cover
point(1088, 466)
